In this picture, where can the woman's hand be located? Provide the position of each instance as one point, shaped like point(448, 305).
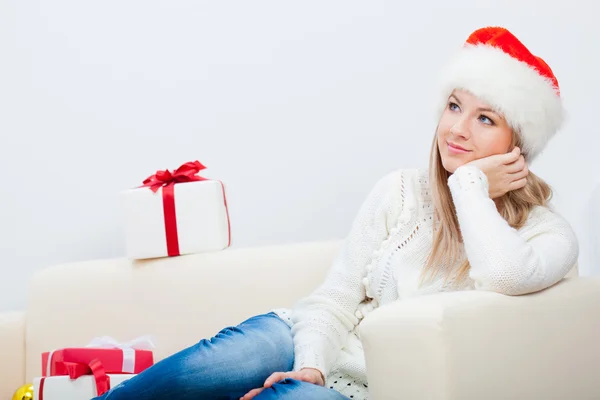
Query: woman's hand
point(505, 172)
point(309, 375)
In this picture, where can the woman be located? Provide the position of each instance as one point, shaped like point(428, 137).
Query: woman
point(476, 219)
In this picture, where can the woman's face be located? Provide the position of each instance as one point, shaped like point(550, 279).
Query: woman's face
point(469, 130)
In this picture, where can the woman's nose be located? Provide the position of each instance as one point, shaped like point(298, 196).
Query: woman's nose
point(461, 129)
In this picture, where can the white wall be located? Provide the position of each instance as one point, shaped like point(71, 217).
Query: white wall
point(298, 106)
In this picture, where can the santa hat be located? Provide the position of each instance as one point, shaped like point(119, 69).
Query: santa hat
point(497, 68)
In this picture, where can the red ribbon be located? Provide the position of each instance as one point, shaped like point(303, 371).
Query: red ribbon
point(41, 394)
point(166, 179)
point(77, 370)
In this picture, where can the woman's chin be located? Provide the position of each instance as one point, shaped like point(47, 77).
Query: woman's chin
point(450, 166)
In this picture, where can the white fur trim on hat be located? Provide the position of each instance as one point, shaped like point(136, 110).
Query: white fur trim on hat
point(527, 100)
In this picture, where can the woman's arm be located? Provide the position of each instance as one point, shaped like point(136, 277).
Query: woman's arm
point(504, 259)
point(323, 320)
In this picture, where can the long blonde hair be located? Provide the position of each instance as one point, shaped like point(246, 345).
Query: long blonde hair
point(446, 258)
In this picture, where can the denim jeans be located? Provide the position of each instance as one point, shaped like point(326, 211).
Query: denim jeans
point(227, 366)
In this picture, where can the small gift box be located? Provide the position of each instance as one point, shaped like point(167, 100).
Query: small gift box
point(176, 213)
point(103, 356)
point(65, 388)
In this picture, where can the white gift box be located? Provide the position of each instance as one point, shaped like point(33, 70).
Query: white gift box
point(200, 220)
point(65, 388)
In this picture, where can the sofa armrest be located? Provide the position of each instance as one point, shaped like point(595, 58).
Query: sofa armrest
point(483, 345)
point(12, 353)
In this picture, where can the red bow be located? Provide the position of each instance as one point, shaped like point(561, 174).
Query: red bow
point(185, 173)
point(76, 370)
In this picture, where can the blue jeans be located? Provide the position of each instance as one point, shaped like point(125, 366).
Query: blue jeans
point(227, 366)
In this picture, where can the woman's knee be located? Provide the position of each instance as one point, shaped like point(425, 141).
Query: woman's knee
point(239, 356)
point(269, 332)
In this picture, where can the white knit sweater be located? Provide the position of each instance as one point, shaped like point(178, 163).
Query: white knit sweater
point(386, 250)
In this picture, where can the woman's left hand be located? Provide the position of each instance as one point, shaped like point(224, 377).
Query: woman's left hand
point(504, 172)
point(306, 375)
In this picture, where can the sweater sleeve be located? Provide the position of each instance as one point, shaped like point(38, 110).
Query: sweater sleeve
point(323, 320)
point(504, 259)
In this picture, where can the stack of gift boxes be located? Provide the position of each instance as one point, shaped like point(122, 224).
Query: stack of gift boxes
point(80, 373)
point(172, 213)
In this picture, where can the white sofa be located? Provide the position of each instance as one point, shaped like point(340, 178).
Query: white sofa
point(464, 345)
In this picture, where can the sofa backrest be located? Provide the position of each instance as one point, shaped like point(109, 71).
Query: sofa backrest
point(177, 301)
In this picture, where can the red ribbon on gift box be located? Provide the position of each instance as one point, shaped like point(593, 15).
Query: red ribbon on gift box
point(77, 370)
point(166, 179)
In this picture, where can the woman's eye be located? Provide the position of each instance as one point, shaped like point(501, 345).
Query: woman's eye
point(486, 120)
point(453, 106)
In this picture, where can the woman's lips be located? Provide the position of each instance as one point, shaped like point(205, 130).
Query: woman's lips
point(454, 148)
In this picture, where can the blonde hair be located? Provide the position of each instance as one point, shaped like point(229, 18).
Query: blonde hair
point(446, 252)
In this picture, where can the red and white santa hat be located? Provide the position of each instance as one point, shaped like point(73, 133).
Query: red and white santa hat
point(497, 68)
